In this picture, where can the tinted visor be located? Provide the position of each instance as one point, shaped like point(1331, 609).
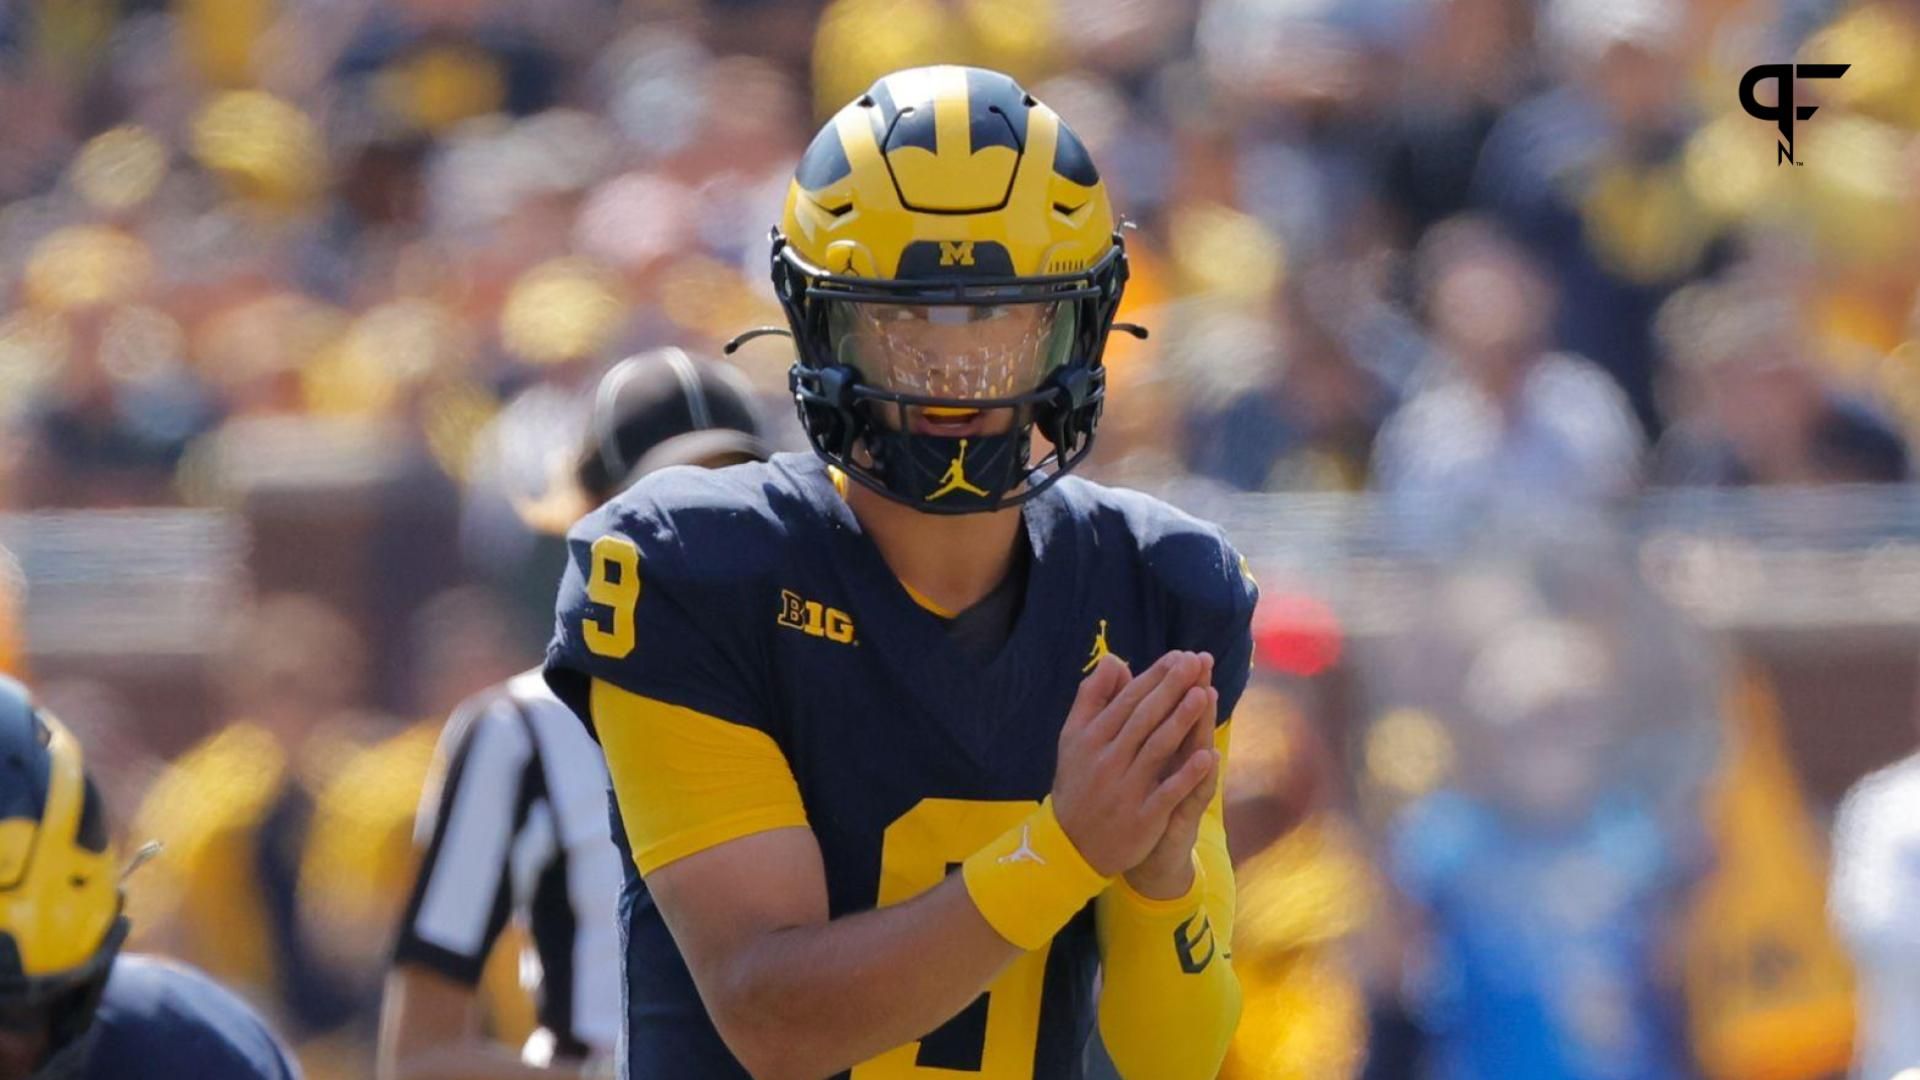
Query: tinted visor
point(956, 352)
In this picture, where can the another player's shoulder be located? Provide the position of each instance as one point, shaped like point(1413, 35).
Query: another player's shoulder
point(161, 1018)
point(1188, 558)
point(700, 523)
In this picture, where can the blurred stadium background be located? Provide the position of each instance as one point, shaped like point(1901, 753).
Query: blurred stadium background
point(1566, 430)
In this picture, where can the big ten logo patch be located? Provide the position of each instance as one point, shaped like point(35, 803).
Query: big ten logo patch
point(813, 618)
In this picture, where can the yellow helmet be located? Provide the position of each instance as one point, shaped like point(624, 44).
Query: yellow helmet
point(60, 921)
point(950, 269)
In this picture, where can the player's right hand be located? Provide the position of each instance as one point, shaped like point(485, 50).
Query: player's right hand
point(1125, 759)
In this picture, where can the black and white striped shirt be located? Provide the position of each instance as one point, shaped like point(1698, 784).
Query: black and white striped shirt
point(515, 825)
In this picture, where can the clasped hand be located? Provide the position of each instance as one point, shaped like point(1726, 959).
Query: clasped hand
point(1137, 769)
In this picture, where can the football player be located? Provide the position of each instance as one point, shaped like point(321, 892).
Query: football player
point(71, 1005)
point(914, 739)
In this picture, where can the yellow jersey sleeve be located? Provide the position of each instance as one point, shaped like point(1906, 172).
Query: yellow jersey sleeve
point(686, 781)
point(1169, 999)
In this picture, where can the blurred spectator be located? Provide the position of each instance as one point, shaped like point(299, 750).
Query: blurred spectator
point(118, 421)
point(1501, 421)
point(234, 813)
point(1305, 887)
point(1540, 889)
point(1759, 409)
point(857, 41)
point(1306, 423)
point(459, 644)
point(1769, 987)
point(434, 63)
point(1468, 63)
point(359, 859)
point(1588, 175)
point(1876, 876)
point(1301, 82)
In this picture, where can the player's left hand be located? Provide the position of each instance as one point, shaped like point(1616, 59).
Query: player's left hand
point(1167, 871)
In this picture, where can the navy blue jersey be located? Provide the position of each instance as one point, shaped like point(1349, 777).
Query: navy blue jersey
point(756, 598)
point(160, 1018)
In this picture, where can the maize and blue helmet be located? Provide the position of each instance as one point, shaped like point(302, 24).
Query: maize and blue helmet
point(950, 269)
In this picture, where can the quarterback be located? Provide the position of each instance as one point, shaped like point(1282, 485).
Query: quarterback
point(915, 739)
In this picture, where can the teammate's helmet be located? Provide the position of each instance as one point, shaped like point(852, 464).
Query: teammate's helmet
point(950, 269)
point(60, 920)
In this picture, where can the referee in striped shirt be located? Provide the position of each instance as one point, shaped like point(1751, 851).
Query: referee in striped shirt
point(514, 823)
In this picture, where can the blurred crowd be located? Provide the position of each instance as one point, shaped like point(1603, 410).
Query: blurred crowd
point(343, 268)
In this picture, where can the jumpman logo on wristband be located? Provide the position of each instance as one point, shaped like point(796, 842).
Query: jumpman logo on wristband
point(1025, 852)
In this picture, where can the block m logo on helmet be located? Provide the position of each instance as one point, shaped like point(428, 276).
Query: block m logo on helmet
point(956, 253)
point(1782, 111)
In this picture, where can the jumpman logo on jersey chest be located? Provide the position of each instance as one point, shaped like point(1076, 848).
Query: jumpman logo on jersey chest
point(1099, 649)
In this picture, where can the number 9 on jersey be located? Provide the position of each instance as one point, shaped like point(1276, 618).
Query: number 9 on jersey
point(615, 585)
